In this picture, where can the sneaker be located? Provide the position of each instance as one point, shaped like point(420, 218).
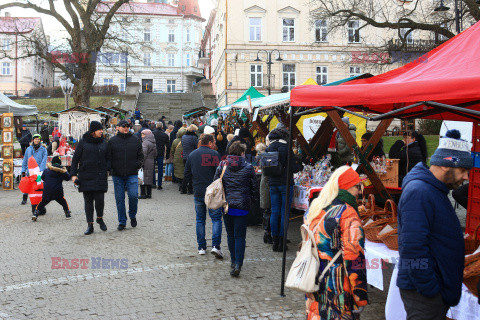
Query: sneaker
point(202, 252)
point(133, 222)
point(217, 253)
point(68, 215)
point(35, 215)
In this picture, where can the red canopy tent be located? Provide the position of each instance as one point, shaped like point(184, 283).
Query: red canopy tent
point(449, 74)
point(442, 84)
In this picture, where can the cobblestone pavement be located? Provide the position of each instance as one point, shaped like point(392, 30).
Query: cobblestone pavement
point(165, 277)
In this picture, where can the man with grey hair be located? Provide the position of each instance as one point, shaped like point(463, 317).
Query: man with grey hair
point(162, 140)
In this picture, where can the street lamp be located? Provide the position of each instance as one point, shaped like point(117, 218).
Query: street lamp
point(458, 12)
point(269, 65)
point(126, 69)
point(67, 88)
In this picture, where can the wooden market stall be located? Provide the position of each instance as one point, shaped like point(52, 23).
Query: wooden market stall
point(442, 84)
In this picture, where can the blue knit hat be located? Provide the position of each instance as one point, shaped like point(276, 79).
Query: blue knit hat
point(452, 152)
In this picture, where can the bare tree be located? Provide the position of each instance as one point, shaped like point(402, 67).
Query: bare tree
point(87, 31)
point(394, 15)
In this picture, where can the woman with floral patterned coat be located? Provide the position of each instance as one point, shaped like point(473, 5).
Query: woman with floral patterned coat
point(333, 218)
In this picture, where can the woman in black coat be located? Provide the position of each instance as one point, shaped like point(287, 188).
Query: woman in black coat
point(241, 190)
point(89, 172)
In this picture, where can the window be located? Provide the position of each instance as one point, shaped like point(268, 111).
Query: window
point(171, 85)
point(147, 59)
point(355, 71)
point(171, 59)
point(6, 44)
point(122, 85)
point(188, 35)
point(441, 37)
point(171, 35)
point(188, 60)
point(171, 21)
point(255, 28)
point(321, 31)
point(256, 75)
point(5, 68)
point(289, 76)
point(146, 34)
point(409, 38)
point(289, 30)
point(354, 31)
point(124, 35)
point(107, 82)
point(147, 21)
point(322, 75)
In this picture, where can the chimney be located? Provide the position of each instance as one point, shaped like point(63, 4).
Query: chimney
point(7, 14)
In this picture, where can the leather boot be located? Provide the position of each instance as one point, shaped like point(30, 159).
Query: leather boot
point(275, 243)
point(267, 238)
point(102, 224)
point(89, 229)
point(149, 192)
point(142, 192)
point(280, 245)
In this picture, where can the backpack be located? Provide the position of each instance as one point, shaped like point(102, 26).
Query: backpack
point(215, 194)
point(270, 164)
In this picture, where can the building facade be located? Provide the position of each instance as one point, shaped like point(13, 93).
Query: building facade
point(18, 73)
point(276, 45)
point(153, 43)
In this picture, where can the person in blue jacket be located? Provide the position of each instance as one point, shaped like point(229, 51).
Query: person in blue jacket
point(39, 153)
point(430, 237)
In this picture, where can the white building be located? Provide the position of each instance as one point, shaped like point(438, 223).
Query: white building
point(162, 41)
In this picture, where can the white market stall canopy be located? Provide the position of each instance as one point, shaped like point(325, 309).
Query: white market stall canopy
point(7, 105)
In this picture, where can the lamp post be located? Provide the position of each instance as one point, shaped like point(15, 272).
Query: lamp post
point(126, 69)
point(458, 13)
point(269, 65)
point(67, 88)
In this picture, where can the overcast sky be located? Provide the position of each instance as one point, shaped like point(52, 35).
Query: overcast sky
point(54, 29)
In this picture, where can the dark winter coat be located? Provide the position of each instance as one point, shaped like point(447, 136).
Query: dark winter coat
point(150, 154)
point(26, 137)
point(125, 154)
point(162, 142)
point(52, 179)
point(173, 134)
point(239, 182)
point(45, 133)
point(277, 144)
point(89, 164)
point(343, 151)
point(177, 150)
point(430, 238)
point(200, 167)
point(409, 156)
point(189, 143)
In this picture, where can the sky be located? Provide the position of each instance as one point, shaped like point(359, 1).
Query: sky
point(55, 30)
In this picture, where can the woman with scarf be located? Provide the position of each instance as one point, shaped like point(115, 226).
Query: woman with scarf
point(333, 218)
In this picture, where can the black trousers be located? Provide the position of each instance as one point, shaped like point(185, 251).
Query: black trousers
point(420, 307)
point(46, 200)
point(94, 201)
point(24, 147)
point(186, 184)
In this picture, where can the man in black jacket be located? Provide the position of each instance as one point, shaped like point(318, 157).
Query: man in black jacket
point(162, 141)
point(200, 168)
point(45, 133)
point(25, 139)
point(409, 153)
point(125, 156)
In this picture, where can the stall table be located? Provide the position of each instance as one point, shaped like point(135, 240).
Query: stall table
point(468, 307)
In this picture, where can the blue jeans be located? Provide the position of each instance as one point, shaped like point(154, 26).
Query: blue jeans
point(216, 216)
point(236, 227)
point(119, 185)
point(278, 195)
point(168, 169)
point(159, 161)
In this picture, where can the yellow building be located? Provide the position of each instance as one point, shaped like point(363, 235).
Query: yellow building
point(245, 35)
